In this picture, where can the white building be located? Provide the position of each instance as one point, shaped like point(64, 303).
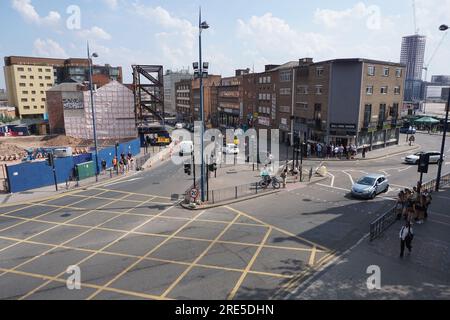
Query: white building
point(114, 111)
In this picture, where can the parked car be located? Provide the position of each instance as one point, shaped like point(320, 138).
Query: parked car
point(408, 130)
point(231, 148)
point(414, 158)
point(370, 186)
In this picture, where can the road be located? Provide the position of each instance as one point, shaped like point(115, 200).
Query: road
point(131, 240)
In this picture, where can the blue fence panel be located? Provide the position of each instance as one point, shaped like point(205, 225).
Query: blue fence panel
point(33, 175)
point(82, 158)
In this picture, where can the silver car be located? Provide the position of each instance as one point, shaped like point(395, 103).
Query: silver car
point(370, 186)
point(414, 158)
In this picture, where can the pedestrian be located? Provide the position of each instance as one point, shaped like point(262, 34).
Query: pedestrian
point(406, 238)
point(400, 205)
point(308, 150)
point(121, 166)
point(319, 150)
point(284, 177)
point(420, 208)
point(412, 139)
point(103, 166)
point(114, 163)
point(364, 152)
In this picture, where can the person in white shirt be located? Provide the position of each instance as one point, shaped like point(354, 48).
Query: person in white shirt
point(406, 236)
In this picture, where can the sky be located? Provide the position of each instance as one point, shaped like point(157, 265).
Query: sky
point(243, 34)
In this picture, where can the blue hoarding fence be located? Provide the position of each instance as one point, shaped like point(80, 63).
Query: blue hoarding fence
point(33, 175)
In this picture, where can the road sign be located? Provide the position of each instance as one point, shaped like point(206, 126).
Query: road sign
point(194, 193)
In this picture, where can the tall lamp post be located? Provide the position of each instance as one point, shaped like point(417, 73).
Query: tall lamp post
point(201, 71)
point(90, 56)
point(441, 160)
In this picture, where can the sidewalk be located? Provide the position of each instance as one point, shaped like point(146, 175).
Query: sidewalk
point(422, 275)
point(50, 191)
point(375, 154)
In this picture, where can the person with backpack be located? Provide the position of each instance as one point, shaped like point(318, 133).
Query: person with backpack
point(406, 238)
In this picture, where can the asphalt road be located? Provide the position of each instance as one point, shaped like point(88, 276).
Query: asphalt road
point(131, 240)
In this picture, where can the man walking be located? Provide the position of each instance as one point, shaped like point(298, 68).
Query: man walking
point(406, 237)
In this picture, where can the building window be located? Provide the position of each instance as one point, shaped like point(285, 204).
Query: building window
point(24, 92)
point(43, 99)
point(33, 92)
point(371, 70)
point(49, 85)
point(302, 105)
point(393, 111)
point(285, 76)
point(23, 77)
point(397, 90)
point(24, 100)
point(26, 107)
point(22, 84)
point(285, 91)
point(302, 89)
point(386, 72)
point(40, 77)
point(35, 107)
point(369, 90)
point(33, 99)
point(20, 69)
point(319, 71)
point(398, 73)
point(41, 84)
point(367, 114)
point(48, 70)
point(32, 77)
point(29, 69)
point(40, 70)
point(319, 90)
point(31, 85)
point(42, 107)
point(48, 78)
point(285, 109)
point(384, 90)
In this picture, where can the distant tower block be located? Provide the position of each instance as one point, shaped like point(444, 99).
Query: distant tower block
point(148, 86)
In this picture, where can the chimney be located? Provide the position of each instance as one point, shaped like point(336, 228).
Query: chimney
point(306, 61)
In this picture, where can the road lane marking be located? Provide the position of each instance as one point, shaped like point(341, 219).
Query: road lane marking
point(350, 176)
point(144, 256)
point(332, 178)
point(119, 182)
point(249, 265)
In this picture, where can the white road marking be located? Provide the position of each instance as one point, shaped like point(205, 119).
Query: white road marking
point(337, 188)
point(401, 170)
point(350, 176)
point(332, 179)
point(399, 186)
point(385, 173)
point(124, 181)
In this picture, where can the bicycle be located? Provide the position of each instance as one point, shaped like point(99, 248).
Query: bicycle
point(268, 181)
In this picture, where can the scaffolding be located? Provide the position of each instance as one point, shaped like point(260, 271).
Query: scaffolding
point(148, 87)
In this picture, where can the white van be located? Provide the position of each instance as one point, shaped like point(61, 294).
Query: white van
point(179, 126)
point(186, 148)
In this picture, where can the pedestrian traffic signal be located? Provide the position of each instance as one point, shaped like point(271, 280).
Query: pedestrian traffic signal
point(50, 160)
point(187, 169)
point(212, 167)
point(424, 162)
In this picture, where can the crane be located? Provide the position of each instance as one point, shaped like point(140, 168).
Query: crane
point(416, 30)
point(427, 65)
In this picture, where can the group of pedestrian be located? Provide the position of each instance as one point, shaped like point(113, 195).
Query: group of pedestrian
point(412, 206)
point(124, 163)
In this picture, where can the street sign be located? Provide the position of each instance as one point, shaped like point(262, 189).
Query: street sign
point(194, 193)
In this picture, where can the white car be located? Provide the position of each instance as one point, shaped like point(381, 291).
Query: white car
point(414, 158)
point(231, 149)
point(179, 126)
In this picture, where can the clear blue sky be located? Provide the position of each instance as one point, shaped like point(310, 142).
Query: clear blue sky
point(244, 33)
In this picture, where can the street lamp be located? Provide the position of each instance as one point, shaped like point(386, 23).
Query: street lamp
point(90, 56)
point(441, 160)
point(201, 71)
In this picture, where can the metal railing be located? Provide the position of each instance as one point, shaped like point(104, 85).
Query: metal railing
point(381, 224)
point(236, 192)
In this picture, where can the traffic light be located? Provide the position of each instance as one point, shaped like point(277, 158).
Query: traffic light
point(212, 167)
point(50, 159)
point(424, 162)
point(187, 169)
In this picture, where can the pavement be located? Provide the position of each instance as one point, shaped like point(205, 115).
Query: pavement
point(423, 274)
point(132, 240)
